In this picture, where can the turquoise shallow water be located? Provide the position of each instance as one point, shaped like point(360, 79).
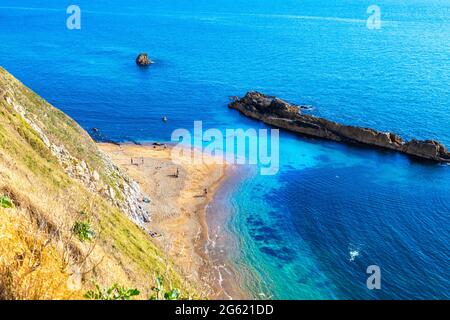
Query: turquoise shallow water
point(295, 230)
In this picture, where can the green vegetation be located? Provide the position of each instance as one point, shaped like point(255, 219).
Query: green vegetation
point(115, 292)
point(159, 292)
point(6, 202)
point(83, 230)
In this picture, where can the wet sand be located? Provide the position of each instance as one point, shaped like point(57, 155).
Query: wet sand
point(178, 207)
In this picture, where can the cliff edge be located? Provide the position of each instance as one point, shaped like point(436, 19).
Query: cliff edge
point(70, 219)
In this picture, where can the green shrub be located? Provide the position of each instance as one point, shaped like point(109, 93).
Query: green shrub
point(116, 292)
point(161, 294)
point(83, 230)
point(6, 202)
point(173, 294)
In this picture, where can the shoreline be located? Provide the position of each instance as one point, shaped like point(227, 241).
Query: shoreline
point(178, 208)
point(226, 243)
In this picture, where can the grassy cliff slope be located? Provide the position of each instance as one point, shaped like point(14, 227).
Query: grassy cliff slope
point(69, 218)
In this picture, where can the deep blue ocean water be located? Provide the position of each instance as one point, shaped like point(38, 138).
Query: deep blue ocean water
point(296, 229)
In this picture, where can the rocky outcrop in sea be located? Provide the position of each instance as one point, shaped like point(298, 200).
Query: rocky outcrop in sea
point(279, 113)
point(143, 59)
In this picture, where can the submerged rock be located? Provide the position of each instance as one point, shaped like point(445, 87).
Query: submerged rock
point(282, 114)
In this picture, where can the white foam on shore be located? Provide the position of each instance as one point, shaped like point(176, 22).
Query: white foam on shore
point(221, 279)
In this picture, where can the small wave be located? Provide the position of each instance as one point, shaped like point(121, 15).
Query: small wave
point(302, 17)
point(320, 18)
point(29, 8)
point(353, 255)
point(220, 279)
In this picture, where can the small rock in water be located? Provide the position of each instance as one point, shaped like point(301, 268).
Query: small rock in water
point(306, 107)
point(143, 60)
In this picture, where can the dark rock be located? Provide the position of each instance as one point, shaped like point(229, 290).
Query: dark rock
point(137, 143)
point(146, 200)
point(143, 60)
point(429, 149)
point(280, 113)
point(159, 144)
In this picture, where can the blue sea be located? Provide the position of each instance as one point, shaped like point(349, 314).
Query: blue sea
point(311, 231)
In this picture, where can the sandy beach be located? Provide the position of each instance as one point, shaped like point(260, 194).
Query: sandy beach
point(177, 204)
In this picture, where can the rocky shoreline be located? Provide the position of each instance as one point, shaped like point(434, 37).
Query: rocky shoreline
point(281, 114)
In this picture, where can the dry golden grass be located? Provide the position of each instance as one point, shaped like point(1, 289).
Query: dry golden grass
point(30, 265)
